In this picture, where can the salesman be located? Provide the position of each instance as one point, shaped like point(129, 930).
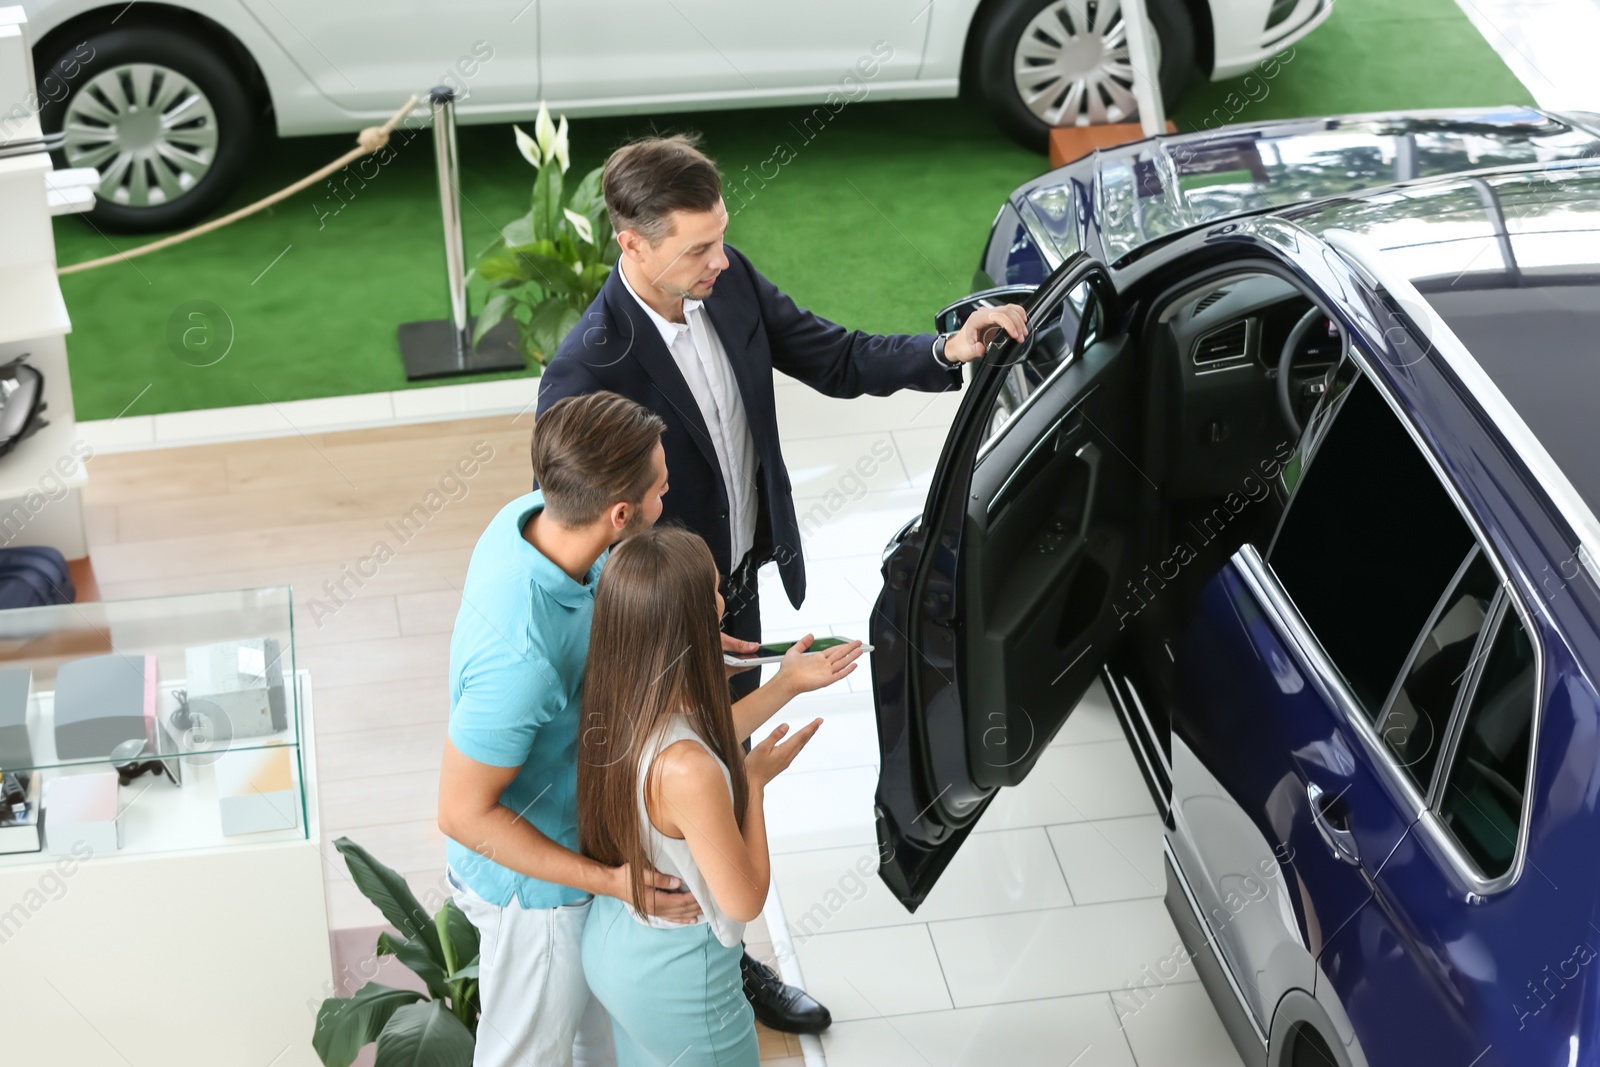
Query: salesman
point(687, 327)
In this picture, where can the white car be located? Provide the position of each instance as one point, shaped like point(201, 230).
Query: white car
point(165, 99)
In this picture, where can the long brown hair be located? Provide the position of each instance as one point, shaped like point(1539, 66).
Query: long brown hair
point(654, 651)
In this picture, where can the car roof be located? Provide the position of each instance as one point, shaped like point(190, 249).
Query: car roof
point(1510, 263)
point(1141, 192)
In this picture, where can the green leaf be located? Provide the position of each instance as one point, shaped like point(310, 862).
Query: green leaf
point(553, 274)
point(519, 232)
point(589, 282)
point(544, 331)
point(469, 971)
point(547, 202)
point(588, 193)
point(463, 935)
point(494, 309)
point(498, 264)
point(346, 1024)
point(385, 888)
point(425, 1035)
point(414, 955)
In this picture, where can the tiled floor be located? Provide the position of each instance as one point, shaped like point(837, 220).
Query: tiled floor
point(1053, 906)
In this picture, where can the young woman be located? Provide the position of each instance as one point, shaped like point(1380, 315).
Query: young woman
point(662, 784)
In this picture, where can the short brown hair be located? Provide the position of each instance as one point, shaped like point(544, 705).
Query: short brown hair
point(593, 451)
point(646, 181)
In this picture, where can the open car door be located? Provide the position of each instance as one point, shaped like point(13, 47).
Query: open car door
point(996, 612)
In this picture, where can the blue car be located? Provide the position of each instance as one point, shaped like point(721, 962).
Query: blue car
point(1301, 462)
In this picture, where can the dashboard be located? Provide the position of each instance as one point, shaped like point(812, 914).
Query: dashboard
point(1217, 346)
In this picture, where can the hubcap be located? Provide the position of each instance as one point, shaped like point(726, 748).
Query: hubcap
point(148, 130)
point(1071, 65)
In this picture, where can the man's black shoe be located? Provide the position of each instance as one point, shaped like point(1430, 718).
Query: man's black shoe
point(779, 1006)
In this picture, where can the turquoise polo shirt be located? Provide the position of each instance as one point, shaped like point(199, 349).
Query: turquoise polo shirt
point(516, 674)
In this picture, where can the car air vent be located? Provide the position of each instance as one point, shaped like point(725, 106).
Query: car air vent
point(1220, 347)
point(1209, 299)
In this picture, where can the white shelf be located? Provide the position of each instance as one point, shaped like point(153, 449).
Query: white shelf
point(159, 817)
point(30, 302)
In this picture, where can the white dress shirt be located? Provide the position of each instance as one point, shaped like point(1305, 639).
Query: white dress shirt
point(701, 359)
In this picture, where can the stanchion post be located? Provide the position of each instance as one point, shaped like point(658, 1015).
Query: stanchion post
point(443, 99)
point(440, 348)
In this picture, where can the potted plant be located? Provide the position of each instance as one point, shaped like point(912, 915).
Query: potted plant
point(547, 266)
point(437, 1028)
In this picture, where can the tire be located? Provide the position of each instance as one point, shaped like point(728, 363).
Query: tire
point(1034, 31)
point(159, 171)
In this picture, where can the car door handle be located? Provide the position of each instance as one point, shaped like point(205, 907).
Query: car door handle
point(1333, 824)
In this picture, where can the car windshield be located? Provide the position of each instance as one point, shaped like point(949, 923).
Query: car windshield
point(1150, 190)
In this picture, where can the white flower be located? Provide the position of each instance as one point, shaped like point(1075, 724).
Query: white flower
point(561, 145)
point(581, 224)
point(577, 268)
point(527, 146)
point(545, 131)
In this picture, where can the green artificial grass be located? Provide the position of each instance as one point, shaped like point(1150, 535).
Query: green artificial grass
point(877, 220)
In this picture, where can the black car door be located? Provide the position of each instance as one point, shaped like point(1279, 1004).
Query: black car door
point(996, 610)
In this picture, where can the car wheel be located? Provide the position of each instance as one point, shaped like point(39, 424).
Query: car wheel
point(1046, 63)
point(160, 116)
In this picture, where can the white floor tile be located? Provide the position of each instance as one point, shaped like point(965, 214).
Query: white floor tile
point(1175, 1026)
point(920, 450)
point(846, 464)
point(1111, 859)
point(836, 590)
point(1075, 1031)
point(807, 413)
point(854, 524)
point(1092, 720)
point(1548, 44)
point(847, 972)
point(822, 809)
point(827, 891)
point(1073, 783)
point(848, 736)
point(1060, 952)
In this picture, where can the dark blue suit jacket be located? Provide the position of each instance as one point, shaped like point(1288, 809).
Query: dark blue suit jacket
point(617, 348)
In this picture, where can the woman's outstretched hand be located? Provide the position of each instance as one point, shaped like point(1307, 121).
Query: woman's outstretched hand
point(769, 759)
point(802, 670)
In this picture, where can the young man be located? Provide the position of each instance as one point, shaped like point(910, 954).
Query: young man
point(508, 785)
point(686, 326)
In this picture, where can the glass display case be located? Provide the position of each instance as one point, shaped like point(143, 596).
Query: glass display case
point(147, 726)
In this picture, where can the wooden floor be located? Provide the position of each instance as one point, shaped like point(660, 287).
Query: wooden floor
point(374, 600)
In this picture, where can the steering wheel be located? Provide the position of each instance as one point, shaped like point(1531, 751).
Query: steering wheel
point(1286, 398)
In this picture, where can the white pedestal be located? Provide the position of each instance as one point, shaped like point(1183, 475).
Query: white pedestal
point(182, 956)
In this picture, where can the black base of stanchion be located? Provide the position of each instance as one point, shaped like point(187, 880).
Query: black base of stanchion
point(433, 349)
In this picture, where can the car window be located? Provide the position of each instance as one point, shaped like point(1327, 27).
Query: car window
point(1339, 379)
point(1483, 794)
point(1050, 341)
point(1369, 543)
point(1414, 725)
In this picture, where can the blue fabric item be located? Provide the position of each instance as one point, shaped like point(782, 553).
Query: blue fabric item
point(762, 330)
point(675, 996)
point(516, 669)
point(34, 576)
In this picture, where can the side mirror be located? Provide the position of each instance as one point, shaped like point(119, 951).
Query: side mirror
point(951, 318)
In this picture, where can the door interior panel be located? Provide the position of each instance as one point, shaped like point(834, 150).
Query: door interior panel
point(1046, 526)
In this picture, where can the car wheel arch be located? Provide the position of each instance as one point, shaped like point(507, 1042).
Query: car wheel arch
point(56, 41)
point(1299, 1011)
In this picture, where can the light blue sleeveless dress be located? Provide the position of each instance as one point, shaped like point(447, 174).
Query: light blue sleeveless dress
point(674, 991)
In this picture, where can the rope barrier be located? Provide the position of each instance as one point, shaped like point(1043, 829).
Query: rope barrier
point(368, 141)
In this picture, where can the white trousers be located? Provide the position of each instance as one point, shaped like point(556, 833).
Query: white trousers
point(536, 1007)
